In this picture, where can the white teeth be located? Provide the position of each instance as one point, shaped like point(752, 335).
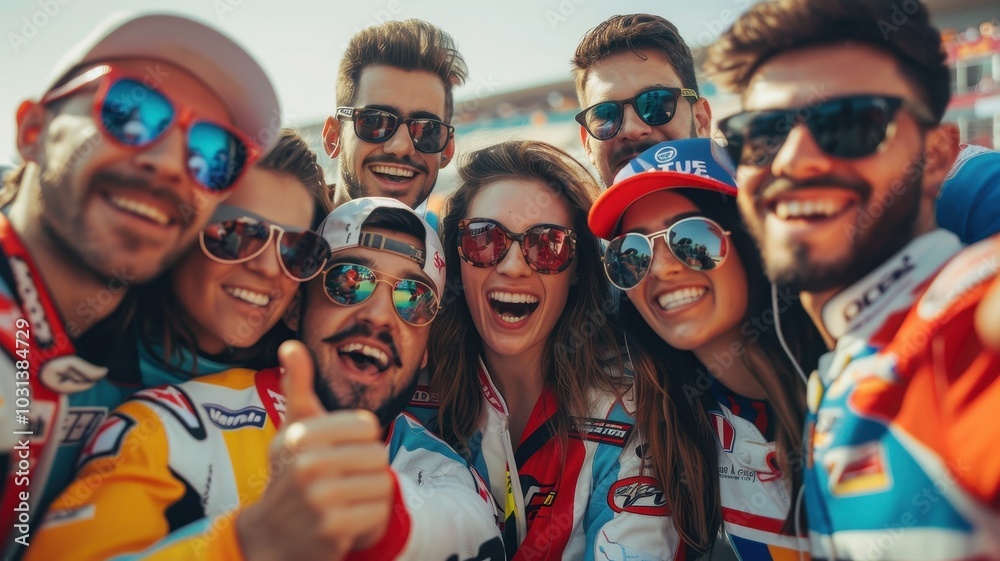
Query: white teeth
point(511, 298)
point(680, 297)
point(512, 319)
point(142, 209)
point(813, 208)
point(398, 172)
point(255, 298)
point(377, 355)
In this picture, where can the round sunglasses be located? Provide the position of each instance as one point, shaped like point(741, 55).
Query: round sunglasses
point(236, 236)
point(846, 127)
point(547, 248)
point(349, 284)
point(135, 115)
point(697, 242)
point(654, 107)
point(429, 136)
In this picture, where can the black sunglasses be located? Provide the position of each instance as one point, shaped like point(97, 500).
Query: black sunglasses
point(655, 107)
point(845, 127)
point(429, 136)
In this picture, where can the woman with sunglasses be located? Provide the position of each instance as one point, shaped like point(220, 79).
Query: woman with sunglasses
point(528, 369)
point(719, 401)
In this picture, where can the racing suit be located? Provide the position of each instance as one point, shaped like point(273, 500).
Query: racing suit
point(601, 503)
point(167, 472)
point(902, 433)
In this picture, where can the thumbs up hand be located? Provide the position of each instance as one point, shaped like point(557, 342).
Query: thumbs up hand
point(331, 489)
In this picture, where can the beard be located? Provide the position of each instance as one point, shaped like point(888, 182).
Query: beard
point(873, 240)
point(385, 412)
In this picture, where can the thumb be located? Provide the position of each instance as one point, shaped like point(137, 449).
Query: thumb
point(301, 402)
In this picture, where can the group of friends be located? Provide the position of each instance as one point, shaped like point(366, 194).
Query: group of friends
point(764, 337)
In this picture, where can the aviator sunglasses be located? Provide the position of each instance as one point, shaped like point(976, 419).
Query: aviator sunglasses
point(349, 284)
point(135, 115)
point(846, 127)
point(697, 242)
point(546, 248)
point(429, 136)
point(654, 107)
point(236, 235)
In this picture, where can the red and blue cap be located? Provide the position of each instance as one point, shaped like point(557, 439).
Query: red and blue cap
point(690, 163)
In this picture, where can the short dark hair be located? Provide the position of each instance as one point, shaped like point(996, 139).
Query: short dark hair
point(410, 45)
point(396, 220)
point(633, 32)
point(771, 28)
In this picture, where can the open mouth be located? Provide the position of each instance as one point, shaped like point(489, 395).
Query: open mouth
point(812, 205)
point(393, 173)
point(365, 357)
point(140, 209)
point(258, 299)
point(512, 307)
point(681, 297)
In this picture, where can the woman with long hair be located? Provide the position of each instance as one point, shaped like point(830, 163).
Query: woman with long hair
point(719, 401)
point(527, 366)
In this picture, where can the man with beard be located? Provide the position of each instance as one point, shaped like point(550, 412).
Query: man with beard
point(260, 465)
point(839, 144)
point(105, 200)
point(635, 78)
point(391, 129)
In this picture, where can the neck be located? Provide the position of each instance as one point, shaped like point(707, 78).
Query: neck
point(340, 194)
point(813, 303)
point(519, 377)
point(81, 297)
point(724, 359)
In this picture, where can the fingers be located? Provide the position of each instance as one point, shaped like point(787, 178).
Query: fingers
point(332, 429)
point(988, 317)
point(301, 401)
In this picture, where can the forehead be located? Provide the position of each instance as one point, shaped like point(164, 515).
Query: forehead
point(816, 74)
point(178, 84)
point(277, 196)
point(624, 74)
point(385, 261)
point(409, 91)
point(656, 211)
point(519, 203)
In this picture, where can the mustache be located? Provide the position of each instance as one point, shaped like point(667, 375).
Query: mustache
point(363, 330)
point(387, 159)
point(631, 150)
point(114, 180)
point(779, 186)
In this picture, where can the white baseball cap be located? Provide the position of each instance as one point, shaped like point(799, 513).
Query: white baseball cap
point(342, 230)
point(215, 59)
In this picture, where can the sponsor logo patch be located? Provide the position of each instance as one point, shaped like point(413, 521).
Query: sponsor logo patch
point(638, 495)
point(178, 404)
point(601, 430)
point(424, 397)
point(227, 419)
point(71, 374)
point(107, 440)
point(81, 422)
point(536, 496)
point(858, 470)
point(724, 430)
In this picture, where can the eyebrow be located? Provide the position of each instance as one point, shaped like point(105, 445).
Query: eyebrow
point(396, 111)
point(668, 222)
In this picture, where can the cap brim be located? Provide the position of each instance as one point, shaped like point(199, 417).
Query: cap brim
point(608, 209)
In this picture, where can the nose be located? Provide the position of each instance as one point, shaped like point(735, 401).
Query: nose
point(400, 143)
point(633, 128)
point(800, 157)
point(513, 264)
point(664, 264)
point(267, 263)
point(378, 310)
point(165, 161)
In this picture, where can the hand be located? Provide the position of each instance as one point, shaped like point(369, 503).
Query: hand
point(331, 490)
point(988, 317)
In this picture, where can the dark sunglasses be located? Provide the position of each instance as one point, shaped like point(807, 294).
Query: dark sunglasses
point(429, 136)
point(699, 243)
point(236, 236)
point(846, 127)
point(348, 284)
point(654, 107)
point(135, 115)
point(546, 248)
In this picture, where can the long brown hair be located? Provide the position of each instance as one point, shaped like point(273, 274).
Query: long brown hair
point(673, 390)
point(581, 354)
point(158, 314)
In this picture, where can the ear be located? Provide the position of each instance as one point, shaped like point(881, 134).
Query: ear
point(584, 137)
point(448, 153)
point(702, 118)
point(941, 148)
point(331, 137)
point(30, 123)
point(423, 363)
point(292, 314)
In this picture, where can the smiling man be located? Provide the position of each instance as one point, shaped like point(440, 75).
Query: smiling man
point(264, 465)
point(840, 142)
point(391, 130)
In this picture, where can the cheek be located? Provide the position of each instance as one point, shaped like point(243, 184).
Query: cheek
point(195, 279)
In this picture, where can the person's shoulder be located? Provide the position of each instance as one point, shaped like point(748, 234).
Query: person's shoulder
point(961, 282)
point(409, 438)
point(968, 202)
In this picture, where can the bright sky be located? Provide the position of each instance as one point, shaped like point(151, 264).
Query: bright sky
point(299, 42)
